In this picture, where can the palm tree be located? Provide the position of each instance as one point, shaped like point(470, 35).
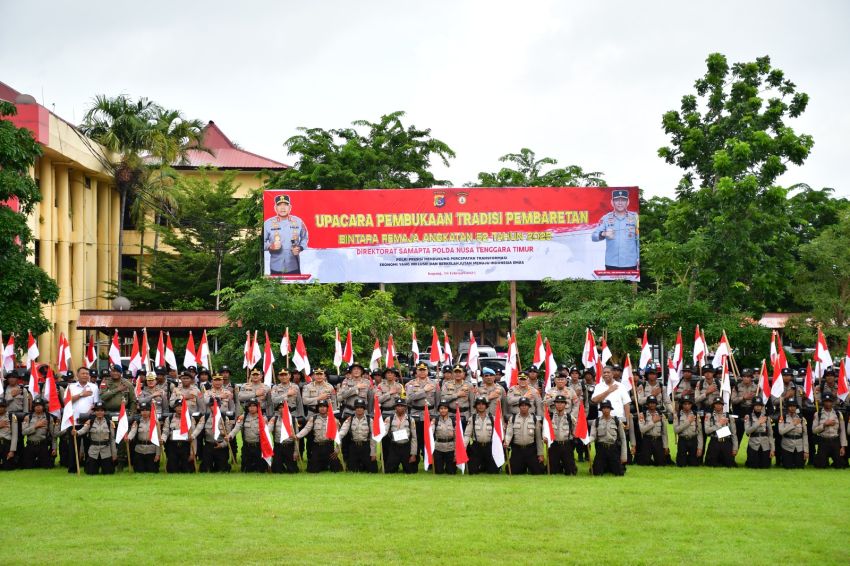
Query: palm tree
point(528, 172)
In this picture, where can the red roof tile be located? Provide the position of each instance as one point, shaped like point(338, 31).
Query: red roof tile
point(225, 154)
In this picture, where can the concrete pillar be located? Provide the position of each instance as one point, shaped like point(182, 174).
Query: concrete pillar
point(63, 255)
point(46, 219)
point(114, 227)
point(104, 257)
point(91, 246)
point(79, 293)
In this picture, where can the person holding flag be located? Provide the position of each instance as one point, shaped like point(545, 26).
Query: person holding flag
point(177, 432)
point(524, 438)
point(443, 429)
point(189, 394)
point(783, 391)
point(760, 444)
point(322, 456)
point(743, 396)
point(561, 458)
point(212, 428)
point(421, 391)
point(478, 435)
point(400, 445)
point(722, 438)
point(102, 452)
point(40, 430)
point(362, 449)
point(146, 453)
point(283, 426)
point(249, 424)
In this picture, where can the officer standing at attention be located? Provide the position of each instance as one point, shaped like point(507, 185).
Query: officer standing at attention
point(620, 231)
point(41, 430)
point(8, 437)
point(561, 459)
point(795, 441)
point(284, 237)
point(362, 454)
point(286, 456)
point(479, 431)
point(760, 447)
point(421, 391)
point(102, 453)
point(524, 439)
point(723, 440)
point(653, 428)
point(610, 441)
point(443, 428)
point(829, 428)
point(322, 456)
point(687, 426)
point(400, 442)
point(146, 454)
point(249, 424)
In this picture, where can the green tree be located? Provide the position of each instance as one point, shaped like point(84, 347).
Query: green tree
point(25, 287)
point(730, 227)
point(370, 155)
point(528, 171)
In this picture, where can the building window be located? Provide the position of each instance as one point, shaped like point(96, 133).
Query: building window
point(129, 220)
point(88, 182)
point(36, 252)
point(129, 266)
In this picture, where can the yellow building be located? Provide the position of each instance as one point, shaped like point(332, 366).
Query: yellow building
point(75, 227)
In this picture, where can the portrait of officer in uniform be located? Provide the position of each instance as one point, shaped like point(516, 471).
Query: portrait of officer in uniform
point(619, 230)
point(284, 238)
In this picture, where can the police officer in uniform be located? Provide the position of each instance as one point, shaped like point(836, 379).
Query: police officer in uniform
point(795, 441)
point(41, 430)
point(284, 238)
point(760, 447)
point(400, 443)
point(653, 428)
point(357, 428)
point(524, 389)
point(443, 427)
point(780, 405)
point(322, 456)
point(457, 392)
point(249, 424)
point(492, 392)
point(421, 391)
point(687, 427)
point(179, 450)
point(478, 435)
point(609, 438)
point(743, 397)
point(286, 456)
point(620, 232)
point(723, 440)
point(8, 437)
point(830, 430)
point(146, 454)
point(101, 454)
point(523, 438)
point(214, 452)
point(561, 459)
point(388, 391)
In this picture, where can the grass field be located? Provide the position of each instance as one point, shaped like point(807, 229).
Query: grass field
point(650, 516)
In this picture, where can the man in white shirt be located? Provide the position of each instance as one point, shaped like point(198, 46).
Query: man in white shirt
point(84, 394)
point(616, 394)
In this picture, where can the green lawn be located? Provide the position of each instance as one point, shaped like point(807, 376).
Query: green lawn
point(650, 516)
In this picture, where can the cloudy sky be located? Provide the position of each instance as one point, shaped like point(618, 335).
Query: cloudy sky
point(583, 82)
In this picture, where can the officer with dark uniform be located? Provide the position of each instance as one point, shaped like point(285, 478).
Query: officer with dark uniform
point(357, 429)
point(619, 230)
point(830, 430)
point(8, 437)
point(400, 443)
point(686, 425)
point(478, 435)
point(760, 446)
point(285, 459)
point(523, 438)
point(609, 438)
point(284, 238)
point(40, 429)
point(322, 456)
point(443, 428)
point(723, 441)
point(146, 454)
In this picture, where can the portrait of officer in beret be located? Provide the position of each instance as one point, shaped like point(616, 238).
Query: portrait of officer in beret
point(284, 238)
point(619, 229)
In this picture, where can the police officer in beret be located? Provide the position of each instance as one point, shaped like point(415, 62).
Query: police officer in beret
point(619, 230)
point(478, 435)
point(284, 238)
point(653, 428)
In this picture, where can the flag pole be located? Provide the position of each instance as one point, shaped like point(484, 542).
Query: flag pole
point(288, 348)
point(548, 463)
point(227, 433)
point(129, 458)
point(76, 448)
point(735, 371)
point(589, 458)
point(162, 453)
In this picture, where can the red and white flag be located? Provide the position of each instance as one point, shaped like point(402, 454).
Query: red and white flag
point(286, 431)
point(627, 381)
point(2, 361)
point(823, 358)
point(606, 351)
point(582, 432)
point(539, 357)
point(216, 419)
point(348, 351)
point(170, 358)
point(9, 354)
point(548, 427)
point(588, 354)
point(842, 386)
point(461, 457)
point(64, 355)
point(428, 440)
point(390, 358)
point(511, 376)
point(135, 357)
point(115, 350)
point(159, 357)
point(91, 354)
point(375, 360)
point(808, 386)
point(723, 351)
point(436, 352)
point(300, 359)
point(551, 367)
point(146, 351)
point(67, 412)
point(700, 351)
point(153, 426)
point(673, 378)
point(337, 350)
point(332, 431)
point(247, 351)
point(414, 347)
point(678, 353)
point(764, 383)
point(185, 420)
point(123, 426)
point(256, 354)
point(266, 444)
point(285, 347)
point(268, 363)
point(379, 428)
point(203, 353)
point(774, 352)
point(189, 358)
point(725, 384)
point(54, 407)
point(472, 356)
point(645, 351)
point(448, 356)
point(32, 356)
point(498, 444)
point(777, 386)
